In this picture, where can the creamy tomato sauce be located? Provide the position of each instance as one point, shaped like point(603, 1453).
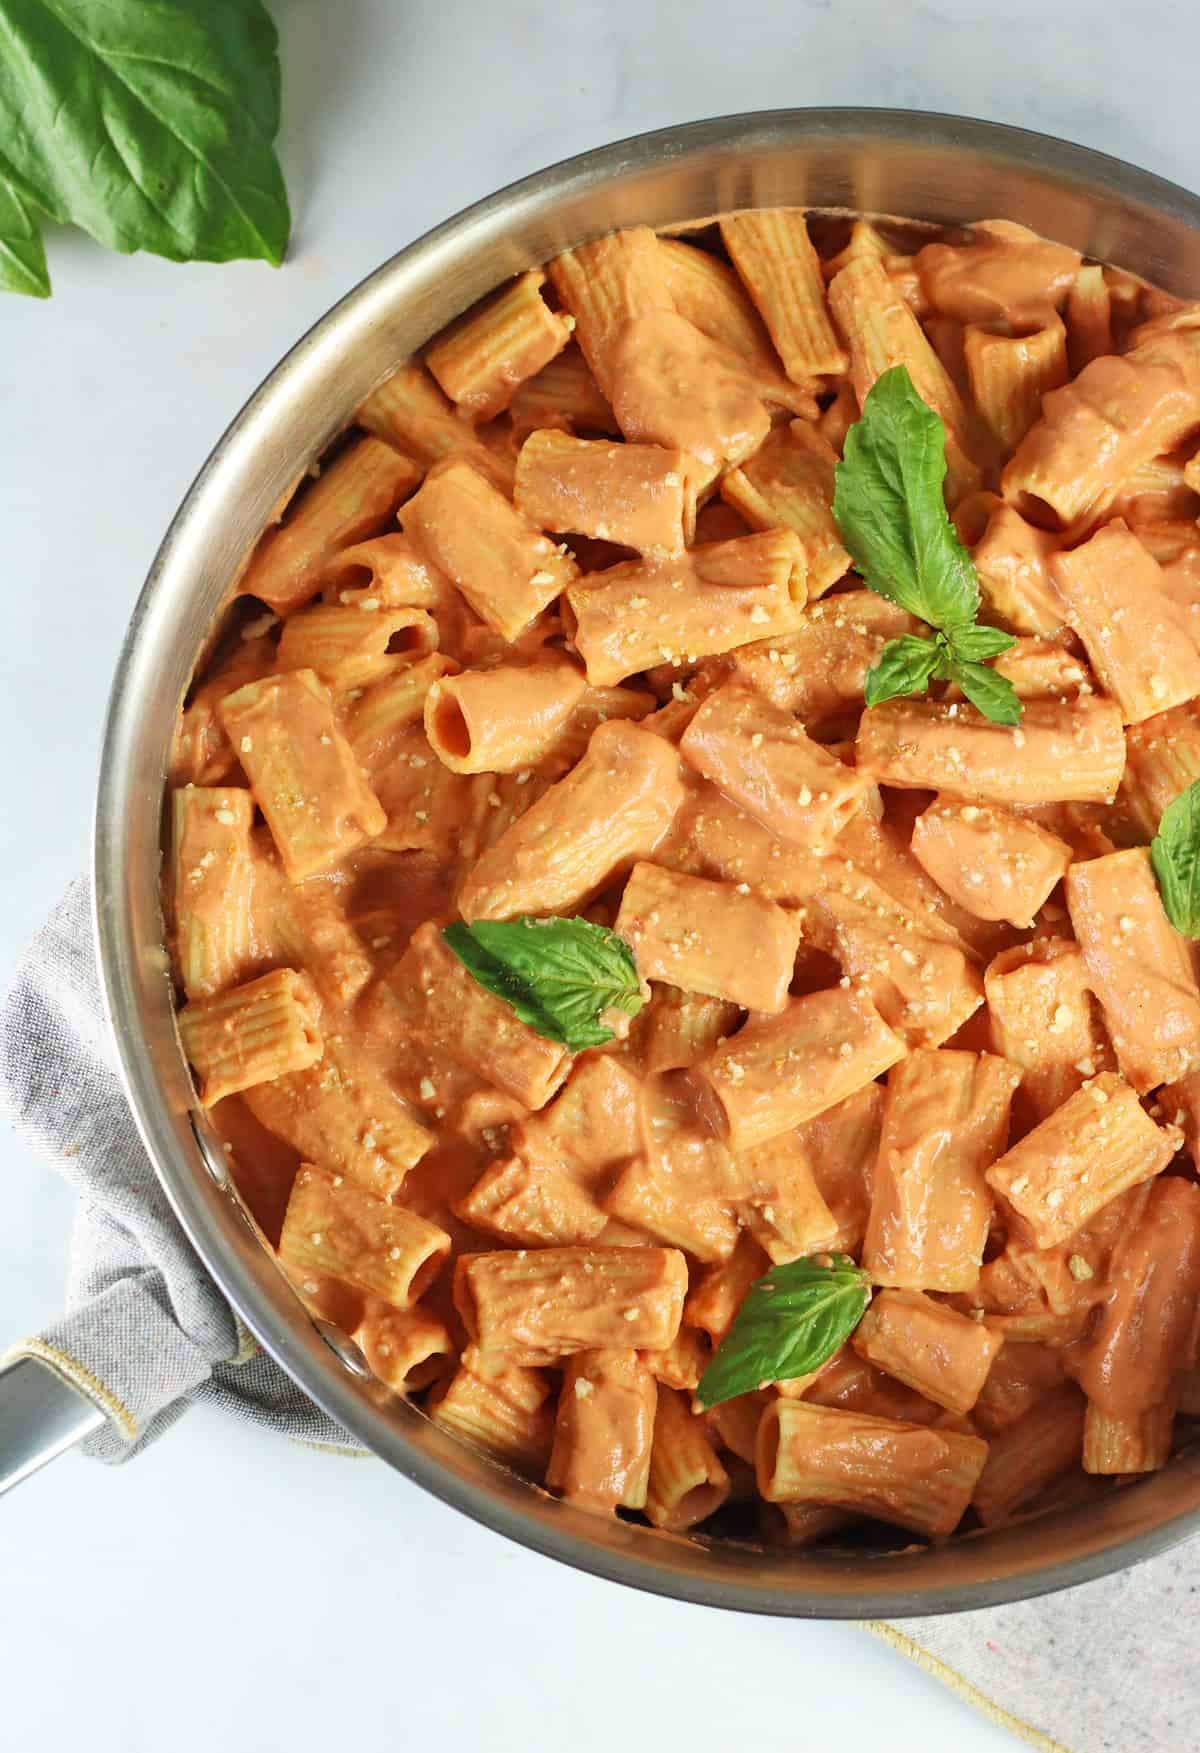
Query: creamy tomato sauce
point(566, 629)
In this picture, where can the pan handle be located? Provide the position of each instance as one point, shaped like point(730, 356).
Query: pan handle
point(41, 1417)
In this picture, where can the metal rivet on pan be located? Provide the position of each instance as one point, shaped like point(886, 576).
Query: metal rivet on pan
point(212, 1152)
point(344, 1349)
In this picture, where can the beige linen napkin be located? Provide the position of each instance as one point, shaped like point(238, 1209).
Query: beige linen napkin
point(1112, 1667)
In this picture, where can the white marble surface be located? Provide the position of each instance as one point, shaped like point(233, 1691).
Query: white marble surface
point(245, 1593)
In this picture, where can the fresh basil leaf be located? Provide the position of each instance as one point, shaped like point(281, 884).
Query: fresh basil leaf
point(792, 1321)
point(904, 666)
point(1175, 856)
point(559, 975)
point(22, 256)
point(976, 644)
point(890, 509)
point(147, 122)
point(993, 694)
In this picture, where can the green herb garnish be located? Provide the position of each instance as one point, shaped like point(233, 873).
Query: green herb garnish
point(889, 506)
point(792, 1321)
point(147, 122)
point(559, 975)
point(1175, 856)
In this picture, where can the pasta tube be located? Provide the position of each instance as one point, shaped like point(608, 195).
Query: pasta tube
point(505, 568)
point(499, 1408)
point(540, 1306)
point(710, 600)
point(840, 1147)
point(1132, 1442)
point(818, 669)
point(681, 1027)
point(481, 359)
point(881, 331)
point(564, 396)
point(1044, 1022)
point(447, 1007)
point(788, 483)
point(1138, 966)
point(687, 1482)
point(708, 292)
point(1009, 375)
point(721, 1291)
point(1001, 273)
point(708, 938)
point(945, 1123)
point(345, 1114)
point(385, 570)
point(212, 879)
point(1058, 754)
point(354, 496)
point(336, 1227)
point(997, 865)
point(1145, 1337)
point(770, 249)
point(347, 647)
point(905, 1473)
point(302, 771)
point(1119, 411)
point(533, 1205)
point(1012, 559)
point(639, 495)
point(252, 1033)
point(1162, 759)
point(1112, 591)
point(410, 411)
point(1026, 1457)
point(1099, 1142)
point(928, 1346)
point(610, 810)
point(777, 1073)
point(384, 713)
point(760, 757)
point(501, 719)
point(603, 1430)
point(1019, 1377)
point(406, 1348)
point(668, 383)
point(1089, 317)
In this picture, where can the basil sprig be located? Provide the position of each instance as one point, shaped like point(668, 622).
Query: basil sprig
point(559, 975)
point(889, 506)
point(1175, 856)
point(792, 1321)
point(149, 123)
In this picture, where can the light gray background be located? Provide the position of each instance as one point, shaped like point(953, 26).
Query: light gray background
point(229, 1590)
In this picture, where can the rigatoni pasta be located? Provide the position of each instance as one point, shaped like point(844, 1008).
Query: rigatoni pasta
point(538, 1306)
point(587, 978)
point(251, 1034)
point(906, 1473)
point(303, 775)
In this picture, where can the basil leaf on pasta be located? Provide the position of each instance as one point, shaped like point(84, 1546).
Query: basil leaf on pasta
point(976, 644)
point(904, 666)
point(1175, 856)
point(559, 975)
point(889, 505)
point(994, 695)
point(793, 1320)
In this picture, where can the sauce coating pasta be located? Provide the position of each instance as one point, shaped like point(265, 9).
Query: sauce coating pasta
point(566, 629)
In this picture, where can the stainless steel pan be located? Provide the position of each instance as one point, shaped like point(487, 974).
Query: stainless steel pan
point(931, 167)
